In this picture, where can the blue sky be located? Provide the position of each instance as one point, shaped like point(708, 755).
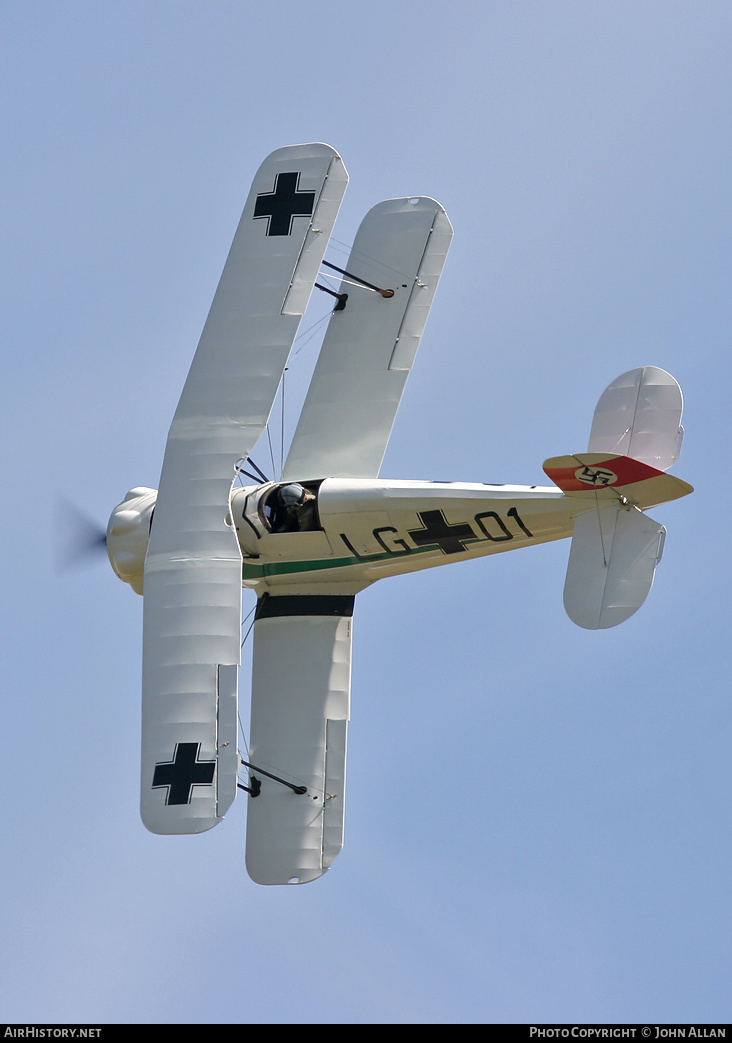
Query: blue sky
point(538, 817)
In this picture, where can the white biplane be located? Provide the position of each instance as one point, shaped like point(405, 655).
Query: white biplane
point(308, 543)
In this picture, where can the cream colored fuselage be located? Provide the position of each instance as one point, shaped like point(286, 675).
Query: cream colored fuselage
point(369, 529)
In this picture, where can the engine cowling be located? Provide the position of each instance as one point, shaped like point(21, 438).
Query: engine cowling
point(128, 534)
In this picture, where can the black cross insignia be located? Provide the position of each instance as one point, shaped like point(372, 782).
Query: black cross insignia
point(280, 206)
point(183, 772)
point(449, 538)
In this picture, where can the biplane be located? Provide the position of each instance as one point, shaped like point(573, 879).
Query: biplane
point(329, 527)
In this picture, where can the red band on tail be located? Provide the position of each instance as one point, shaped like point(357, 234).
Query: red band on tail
point(614, 472)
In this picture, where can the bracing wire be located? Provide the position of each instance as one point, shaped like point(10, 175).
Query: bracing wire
point(282, 425)
point(249, 630)
point(599, 522)
point(312, 331)
point(300, 342)
point(345, 247)
point(243, 640)
point(271, 451)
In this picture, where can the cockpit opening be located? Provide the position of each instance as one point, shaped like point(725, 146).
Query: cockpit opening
point(291, 507)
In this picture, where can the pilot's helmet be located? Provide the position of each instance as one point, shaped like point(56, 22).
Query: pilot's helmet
point(293, 495)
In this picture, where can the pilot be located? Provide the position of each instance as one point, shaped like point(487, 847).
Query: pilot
point(299, 506)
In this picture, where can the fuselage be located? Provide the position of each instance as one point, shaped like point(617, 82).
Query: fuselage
point(361, 530)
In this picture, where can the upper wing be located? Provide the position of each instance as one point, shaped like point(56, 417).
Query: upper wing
point(192, 582)
point(301, 689)
point(371, 344)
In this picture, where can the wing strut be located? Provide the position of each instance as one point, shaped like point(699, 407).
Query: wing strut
point(386, 294)
point(295, 789)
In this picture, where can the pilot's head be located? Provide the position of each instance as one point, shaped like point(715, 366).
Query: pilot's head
point(293, 495)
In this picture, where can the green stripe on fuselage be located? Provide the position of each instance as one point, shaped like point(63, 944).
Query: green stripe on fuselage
point(284, 568)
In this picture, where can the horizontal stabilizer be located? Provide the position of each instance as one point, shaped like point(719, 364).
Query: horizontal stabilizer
point(611, 566)
point(639, 415)
point(301, 687)
point(611, 477)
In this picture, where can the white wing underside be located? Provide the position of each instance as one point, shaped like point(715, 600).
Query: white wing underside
point(370, 346)
point(301, 688)
point(192, 583)
point(612, 563)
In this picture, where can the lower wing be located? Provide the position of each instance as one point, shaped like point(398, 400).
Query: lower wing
point(301, 688)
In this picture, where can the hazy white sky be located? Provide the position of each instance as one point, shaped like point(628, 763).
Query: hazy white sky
point(538, 818)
